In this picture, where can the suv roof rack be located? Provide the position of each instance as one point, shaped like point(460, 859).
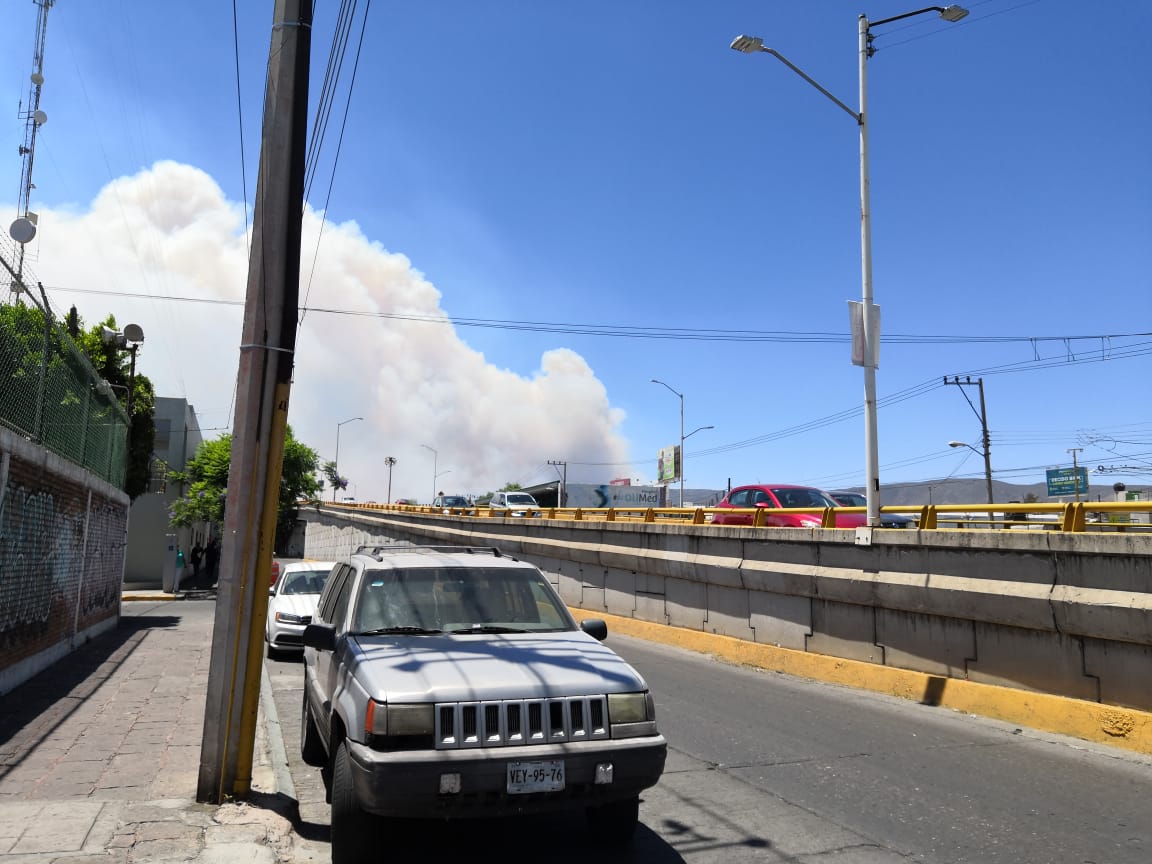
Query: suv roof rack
point(377, 552)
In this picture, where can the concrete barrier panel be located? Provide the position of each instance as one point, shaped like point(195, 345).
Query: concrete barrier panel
point(925, 643)
point(620, 592)
point(780, 619)
point(728, 613)
point(844, 630)
point(1125, 672)
point(1031, 660)
point(1121, 615)
point(685, 603)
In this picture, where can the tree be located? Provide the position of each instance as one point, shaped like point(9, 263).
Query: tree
point(206, 479)
point(114, 365)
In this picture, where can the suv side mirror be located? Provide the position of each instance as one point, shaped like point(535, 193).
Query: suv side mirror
point(322, 637)
point(595, 627)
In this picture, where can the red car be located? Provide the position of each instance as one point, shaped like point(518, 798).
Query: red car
point(776, 497)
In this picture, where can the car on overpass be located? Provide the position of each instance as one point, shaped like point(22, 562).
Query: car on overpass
point(514, 504)
point(452, 683)
point(887, 520)
point(772, 497)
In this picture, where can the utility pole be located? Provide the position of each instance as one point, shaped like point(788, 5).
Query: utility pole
point(983, 415)
point(563, 481)
point(1076, 469)
point(267, 349)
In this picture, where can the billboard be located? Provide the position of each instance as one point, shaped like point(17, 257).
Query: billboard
point(1067, 481)
point(668, 464)
point(613, 495)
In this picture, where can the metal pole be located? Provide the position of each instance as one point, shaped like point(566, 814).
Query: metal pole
point(870, 338)
point(681, 449)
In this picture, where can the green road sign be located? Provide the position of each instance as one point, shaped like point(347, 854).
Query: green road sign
point(1067, 481)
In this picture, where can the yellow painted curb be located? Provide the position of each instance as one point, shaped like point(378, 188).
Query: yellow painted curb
point(157, 597)
point(1126, 728)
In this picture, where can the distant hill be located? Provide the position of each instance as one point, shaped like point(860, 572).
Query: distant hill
point(956, 491)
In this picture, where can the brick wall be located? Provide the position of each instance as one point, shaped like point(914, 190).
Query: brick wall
point(62, 536)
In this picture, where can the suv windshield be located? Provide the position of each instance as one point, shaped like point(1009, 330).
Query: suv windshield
point(524, 500)
point(458, 599)
point(453, 501)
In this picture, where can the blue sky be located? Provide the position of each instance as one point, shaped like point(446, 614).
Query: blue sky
point(615, 165)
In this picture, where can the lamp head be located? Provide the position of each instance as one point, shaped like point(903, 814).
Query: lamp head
point(953, 13)
point(751, 44)
point(957, 444)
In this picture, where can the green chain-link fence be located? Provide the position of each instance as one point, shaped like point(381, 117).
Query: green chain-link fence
point(50, 393)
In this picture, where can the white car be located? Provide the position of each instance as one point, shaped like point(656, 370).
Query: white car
point(452, 683)
point(292, 602)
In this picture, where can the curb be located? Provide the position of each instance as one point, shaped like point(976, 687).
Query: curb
point(277, 752)
point(153, 597)
point(1112, 725)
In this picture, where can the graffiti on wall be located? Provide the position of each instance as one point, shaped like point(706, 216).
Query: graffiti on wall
point(61, 560)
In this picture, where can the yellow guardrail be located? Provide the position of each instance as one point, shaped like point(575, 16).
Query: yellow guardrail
point(1080, 516)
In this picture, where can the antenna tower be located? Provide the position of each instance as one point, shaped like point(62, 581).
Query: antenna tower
point(24, 228)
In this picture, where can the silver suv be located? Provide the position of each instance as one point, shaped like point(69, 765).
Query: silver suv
point(515, 504)
point(452, 682)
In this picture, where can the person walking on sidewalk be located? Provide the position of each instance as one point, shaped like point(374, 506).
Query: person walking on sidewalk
point(197, 556)
point(211, 560)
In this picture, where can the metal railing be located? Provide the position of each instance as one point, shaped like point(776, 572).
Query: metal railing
point(1132, 516)
point(51, 394)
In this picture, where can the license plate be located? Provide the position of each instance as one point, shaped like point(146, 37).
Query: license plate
point(525, 777)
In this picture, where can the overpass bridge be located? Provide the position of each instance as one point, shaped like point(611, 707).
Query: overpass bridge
point(1050, 629)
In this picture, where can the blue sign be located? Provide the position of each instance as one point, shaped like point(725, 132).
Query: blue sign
point(1067, 481)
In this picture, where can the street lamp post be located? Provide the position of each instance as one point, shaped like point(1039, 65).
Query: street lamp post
point(336, 461)
point(434, 474)
point(865, 350)
point(987, 465)
point(389, 461)
point(681, 395)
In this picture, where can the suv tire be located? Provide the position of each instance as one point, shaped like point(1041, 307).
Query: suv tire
point(311, 745)
point(614, 824)
point(353, 829)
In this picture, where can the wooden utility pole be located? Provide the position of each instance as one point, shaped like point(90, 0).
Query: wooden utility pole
point(983, 415)
point(259, 427)
point(1076, 470)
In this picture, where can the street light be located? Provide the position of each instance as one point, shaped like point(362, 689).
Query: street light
point(987, 465)
point(681, 395)
point(434, 474)
point(336, 461)
point(865, 315)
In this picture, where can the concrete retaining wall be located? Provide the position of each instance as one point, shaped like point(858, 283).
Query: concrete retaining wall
point(1066, 614)
point(62, 538)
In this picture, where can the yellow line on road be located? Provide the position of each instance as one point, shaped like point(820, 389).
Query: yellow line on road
point(1126, 728)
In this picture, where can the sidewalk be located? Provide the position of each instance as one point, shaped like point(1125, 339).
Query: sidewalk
point(99, 754)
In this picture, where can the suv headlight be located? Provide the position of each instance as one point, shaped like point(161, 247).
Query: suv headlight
point(631, 715)
point(398, 727)
point(810, 523)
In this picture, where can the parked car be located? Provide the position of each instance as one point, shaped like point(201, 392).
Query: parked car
point(515, 504)
point(452, 682)
point(887, 520)
point(450, 502)
point(292, 602)
point(775, 497)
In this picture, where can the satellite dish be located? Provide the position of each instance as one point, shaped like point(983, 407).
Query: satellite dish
point(37, 78)
point(40, 117)
point(133, 333)
point(22, 230)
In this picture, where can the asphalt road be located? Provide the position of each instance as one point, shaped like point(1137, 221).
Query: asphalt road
point(763, 767)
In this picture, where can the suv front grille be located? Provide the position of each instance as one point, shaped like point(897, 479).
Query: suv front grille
point(511, 723)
